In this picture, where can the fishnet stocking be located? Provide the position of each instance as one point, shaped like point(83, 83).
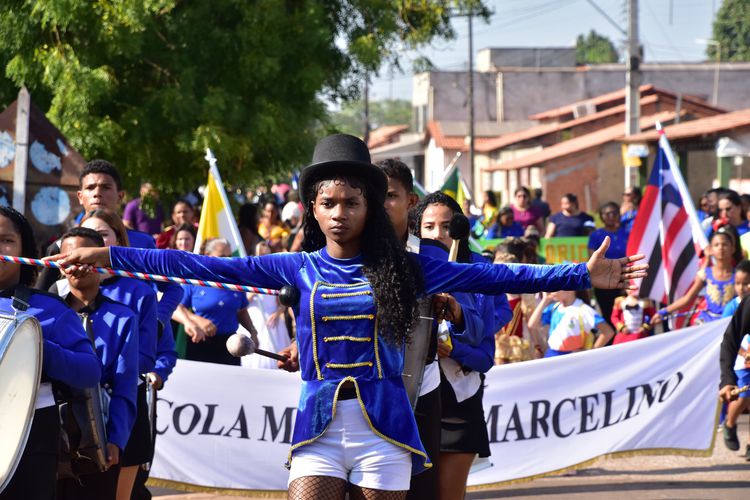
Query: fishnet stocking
point(317, 487)
point(359, 493)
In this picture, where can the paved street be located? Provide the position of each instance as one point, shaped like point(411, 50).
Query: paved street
point(724, 475)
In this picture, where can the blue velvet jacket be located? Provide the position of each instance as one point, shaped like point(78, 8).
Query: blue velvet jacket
point(337, 332)
point(141, 299)
point(116, 340)
point(68, 356)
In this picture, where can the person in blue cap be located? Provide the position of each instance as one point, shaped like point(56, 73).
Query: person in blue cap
point(68, 358)
point(354, 426)
point(114, 327)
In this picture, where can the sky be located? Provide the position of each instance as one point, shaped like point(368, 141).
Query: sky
point(668, 31)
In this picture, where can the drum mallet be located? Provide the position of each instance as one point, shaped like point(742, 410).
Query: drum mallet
point(240, 345)
point(739, 390)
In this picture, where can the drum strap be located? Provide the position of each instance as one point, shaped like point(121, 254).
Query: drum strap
point(21, 298)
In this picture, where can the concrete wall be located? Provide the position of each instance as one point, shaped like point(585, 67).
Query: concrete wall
point(528, 57)
point(515, 94)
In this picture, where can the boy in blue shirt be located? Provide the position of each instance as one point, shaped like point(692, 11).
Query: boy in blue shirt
point(116, 343)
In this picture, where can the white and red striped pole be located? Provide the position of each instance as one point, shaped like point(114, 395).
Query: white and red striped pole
point(146, 276)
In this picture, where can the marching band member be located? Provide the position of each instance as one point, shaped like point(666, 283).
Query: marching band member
point(471, 327)
point(68, 358)
point(359, 291)
point(141, 298)
point(116, 341)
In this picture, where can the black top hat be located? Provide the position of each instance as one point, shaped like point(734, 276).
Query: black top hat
point(342, 155)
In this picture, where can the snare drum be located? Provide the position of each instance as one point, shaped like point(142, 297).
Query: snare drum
point(20, 373)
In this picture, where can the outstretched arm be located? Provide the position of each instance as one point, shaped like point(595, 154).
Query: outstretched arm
point(271, 271)
point(599, 272)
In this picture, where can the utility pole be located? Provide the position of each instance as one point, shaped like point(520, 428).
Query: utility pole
point(366, 136)
point(633, 81)
point(23, 114)
point(471, 102)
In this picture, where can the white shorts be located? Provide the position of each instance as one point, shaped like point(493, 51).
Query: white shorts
point(349, 450)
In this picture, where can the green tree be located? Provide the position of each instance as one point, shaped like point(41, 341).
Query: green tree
point(732, 31)
point(350, 119)
point(595, 49)
point(150, 83)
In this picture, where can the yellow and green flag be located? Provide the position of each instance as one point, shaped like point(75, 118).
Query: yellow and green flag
point(455, 187)
point(217, 219)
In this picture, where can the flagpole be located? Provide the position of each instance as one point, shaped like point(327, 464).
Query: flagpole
point(214, 171)
point(451, 167)
point(699, 237)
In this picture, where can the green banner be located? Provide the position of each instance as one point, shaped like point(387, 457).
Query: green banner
point(566, 249)
point(554, 250)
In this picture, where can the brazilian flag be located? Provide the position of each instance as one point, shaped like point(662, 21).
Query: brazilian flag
point(454, 186)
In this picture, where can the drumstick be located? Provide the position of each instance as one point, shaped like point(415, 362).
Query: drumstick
point(287, 293)
point(240, 345)
point(740, 390)
point(458, 229)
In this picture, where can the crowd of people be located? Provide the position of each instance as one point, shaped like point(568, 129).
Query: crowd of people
point(361, 248)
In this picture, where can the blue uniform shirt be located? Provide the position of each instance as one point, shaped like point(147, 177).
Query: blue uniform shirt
point(116, 340)
point(618, 243)
point(215, 304)
point(68, 356)
point(141, 299)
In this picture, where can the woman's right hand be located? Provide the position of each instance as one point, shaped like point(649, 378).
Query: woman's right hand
point(206, 325)
point(83, 258)
point(195, 332)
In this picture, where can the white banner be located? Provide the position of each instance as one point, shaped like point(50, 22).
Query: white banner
point(230, 428)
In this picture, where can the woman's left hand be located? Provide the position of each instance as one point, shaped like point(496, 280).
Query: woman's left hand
point(446, 308)
point(614, 273)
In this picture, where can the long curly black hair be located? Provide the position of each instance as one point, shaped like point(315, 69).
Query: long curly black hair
point(440, 198)
point(28, 243)
point(395, 278)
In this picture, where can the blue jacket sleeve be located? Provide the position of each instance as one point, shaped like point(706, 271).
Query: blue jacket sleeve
point(473, 320)
point(480, 358)
point(166, 355)
point(494, 279)
point(122, 405)
point(171, 294)
point(147, 332)
point(269, 271)
point(68, 355)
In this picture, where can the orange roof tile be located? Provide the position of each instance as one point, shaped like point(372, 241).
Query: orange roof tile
point(382, 135)
point(694, 128)
point(547, 128)
point(620, 94)
point(454, 142)
point(578, 144)
point(600, 99)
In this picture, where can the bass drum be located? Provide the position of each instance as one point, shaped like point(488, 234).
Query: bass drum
point(20, 372)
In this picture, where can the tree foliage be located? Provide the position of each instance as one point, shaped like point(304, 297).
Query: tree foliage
point(595, 49)
point(350, 119)
point(149, 84)
point(732, 30)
